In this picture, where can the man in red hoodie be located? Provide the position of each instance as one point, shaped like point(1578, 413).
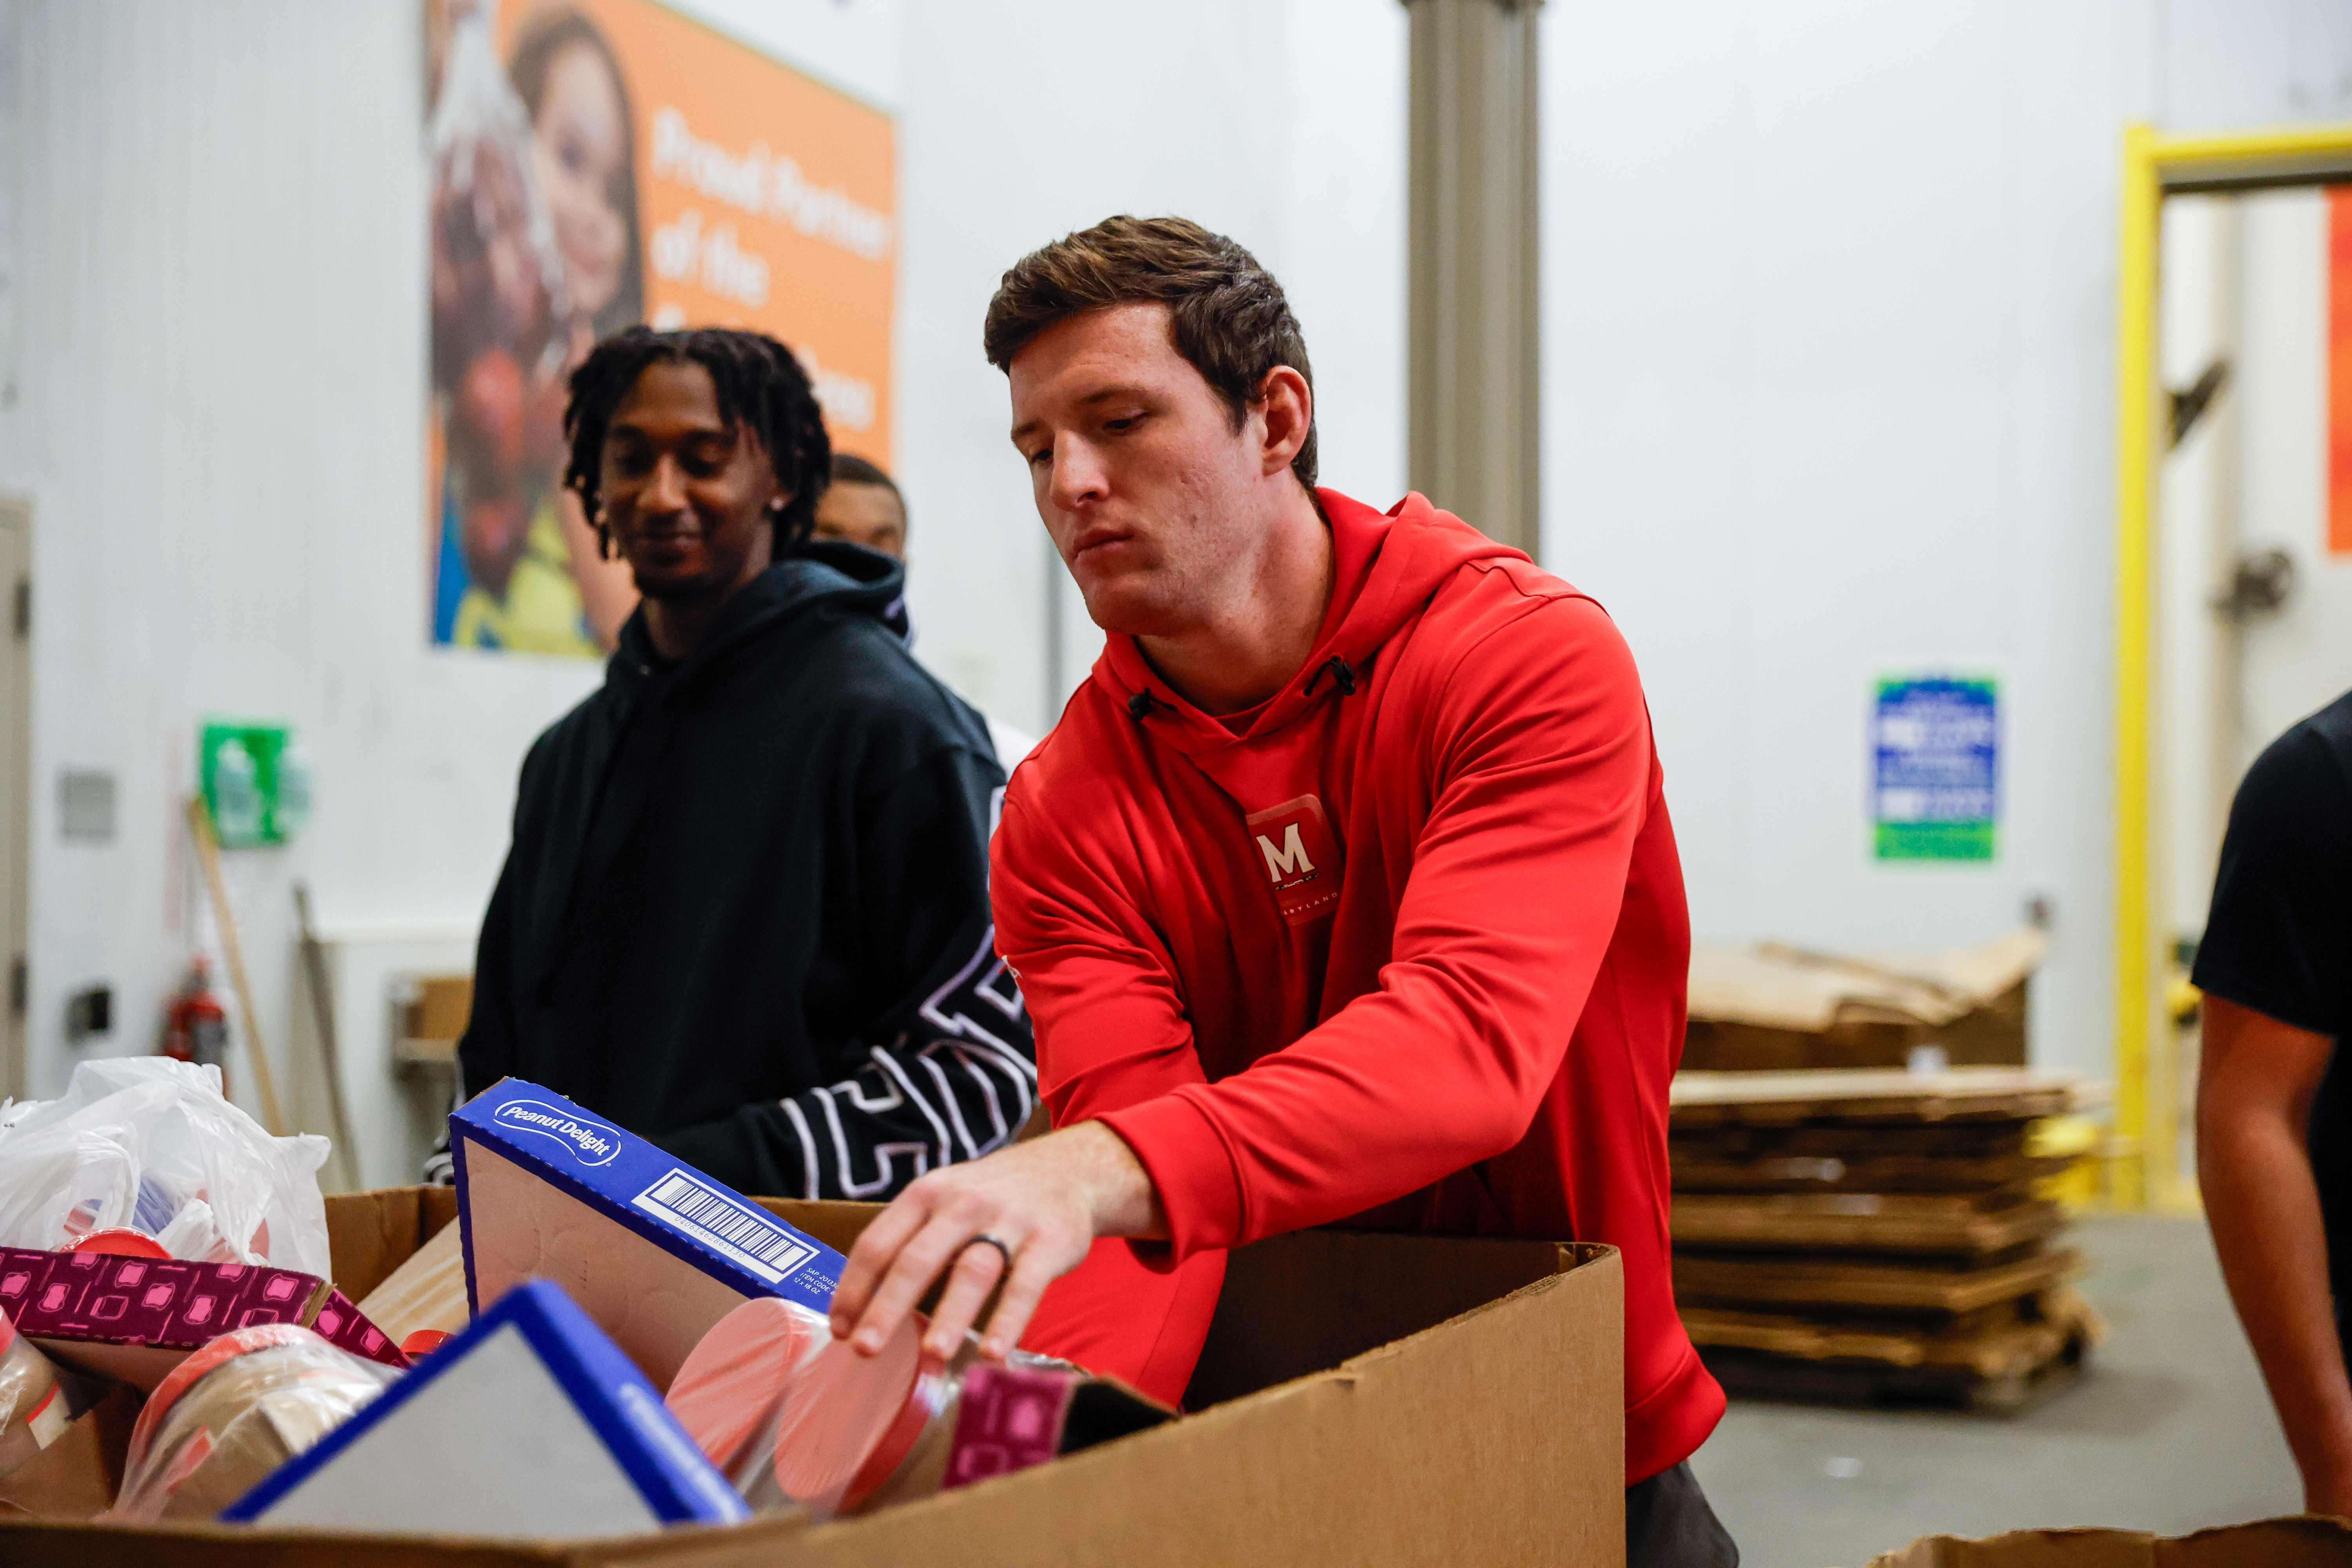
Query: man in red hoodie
point(1344, 889)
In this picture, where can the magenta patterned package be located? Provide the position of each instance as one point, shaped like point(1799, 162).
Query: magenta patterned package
point(83, 1304)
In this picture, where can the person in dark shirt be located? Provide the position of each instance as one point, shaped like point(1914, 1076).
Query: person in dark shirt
point(863, 506)
point(2274, 1103)
point(745, 914)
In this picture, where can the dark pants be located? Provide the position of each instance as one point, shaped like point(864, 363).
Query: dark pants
point(1668, 1524)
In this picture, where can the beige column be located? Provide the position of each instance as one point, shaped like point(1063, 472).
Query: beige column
point(1473, 367)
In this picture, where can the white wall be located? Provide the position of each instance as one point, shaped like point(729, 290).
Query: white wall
point(221, 419)
point(1829, 317)
point(1829, 335)
point(2300, 658)
point(1281, 125)
point(222, 389)
point(2197, 662)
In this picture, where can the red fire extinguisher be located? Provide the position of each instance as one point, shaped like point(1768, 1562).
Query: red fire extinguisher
point(196, 1027)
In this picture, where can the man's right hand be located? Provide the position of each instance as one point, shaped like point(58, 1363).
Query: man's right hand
point(1045, 1201)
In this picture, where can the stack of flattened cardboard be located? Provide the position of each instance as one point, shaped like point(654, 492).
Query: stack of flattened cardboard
point(1869, 1236)
point(1774, 1007)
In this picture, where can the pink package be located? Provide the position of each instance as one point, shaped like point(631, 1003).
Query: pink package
point(136, 1317)
point(730, 1391)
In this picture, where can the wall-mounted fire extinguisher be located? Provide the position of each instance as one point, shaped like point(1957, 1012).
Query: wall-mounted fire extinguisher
point(195, 1026)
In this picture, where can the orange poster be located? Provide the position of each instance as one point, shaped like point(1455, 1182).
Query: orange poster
point(598, 163)
point(2339, 371)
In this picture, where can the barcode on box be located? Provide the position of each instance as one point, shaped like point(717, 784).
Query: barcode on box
point(727, 1227)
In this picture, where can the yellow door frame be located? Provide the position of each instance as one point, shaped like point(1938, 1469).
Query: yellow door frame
point(2157, 165)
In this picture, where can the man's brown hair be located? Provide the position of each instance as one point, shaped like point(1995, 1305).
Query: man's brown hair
point(1229, 317)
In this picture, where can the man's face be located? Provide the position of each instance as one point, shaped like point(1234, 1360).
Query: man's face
point(869, 515)
point(687, 496)
point(1150, 495)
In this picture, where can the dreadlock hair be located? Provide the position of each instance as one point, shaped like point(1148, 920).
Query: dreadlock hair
point(761, 387)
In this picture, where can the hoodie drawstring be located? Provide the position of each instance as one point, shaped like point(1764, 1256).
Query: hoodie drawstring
point(1341, 677)
point(1140, 706)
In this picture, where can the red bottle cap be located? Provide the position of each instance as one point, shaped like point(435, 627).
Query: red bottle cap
point(122, 1240)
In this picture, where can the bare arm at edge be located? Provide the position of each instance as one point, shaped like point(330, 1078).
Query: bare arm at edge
point(2253, 1109)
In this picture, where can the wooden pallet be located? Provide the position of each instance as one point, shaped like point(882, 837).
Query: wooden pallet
point(2001, 1368)
point(1750, 1375)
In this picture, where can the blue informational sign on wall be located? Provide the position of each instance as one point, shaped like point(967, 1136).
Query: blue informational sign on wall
point(1935, 793)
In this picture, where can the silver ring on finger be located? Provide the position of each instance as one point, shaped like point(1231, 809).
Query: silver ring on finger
point(984, 1239)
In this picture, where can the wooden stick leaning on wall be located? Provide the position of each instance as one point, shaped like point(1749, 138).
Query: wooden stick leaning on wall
point(322, 1002)
point(200, 824)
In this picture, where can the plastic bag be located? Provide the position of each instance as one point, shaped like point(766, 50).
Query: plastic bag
point(234, 1412)
point(34, 1408)
point(150, 1143)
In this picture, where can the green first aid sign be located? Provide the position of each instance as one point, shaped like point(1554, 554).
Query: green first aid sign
point(1936, 783)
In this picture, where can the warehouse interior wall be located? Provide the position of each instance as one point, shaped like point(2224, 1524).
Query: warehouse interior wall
point(2200, 728)
point(220, 391)
point(220, 419)
point(1828, 338)
point(2245, 283)
point(1281, 125)
point(1828, 393)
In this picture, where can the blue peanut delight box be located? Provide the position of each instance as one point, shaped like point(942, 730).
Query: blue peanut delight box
point(652, 1249)
point(528, 1423)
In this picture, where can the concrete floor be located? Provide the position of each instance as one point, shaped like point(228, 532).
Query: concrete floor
point(2169, 1430)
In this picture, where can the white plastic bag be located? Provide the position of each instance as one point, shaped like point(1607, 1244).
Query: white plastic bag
point(151, 1143)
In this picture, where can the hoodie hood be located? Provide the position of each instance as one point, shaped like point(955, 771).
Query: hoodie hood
point(1387, 566)
point(846, 578)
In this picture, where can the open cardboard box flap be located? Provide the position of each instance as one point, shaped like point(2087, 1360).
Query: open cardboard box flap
point(1363, 1398)
point(2304, 1543)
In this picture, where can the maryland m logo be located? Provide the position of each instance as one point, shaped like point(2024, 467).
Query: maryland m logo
point(1301, 855)
point(1290, 861)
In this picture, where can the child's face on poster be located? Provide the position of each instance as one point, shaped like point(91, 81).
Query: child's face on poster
point(580, 149)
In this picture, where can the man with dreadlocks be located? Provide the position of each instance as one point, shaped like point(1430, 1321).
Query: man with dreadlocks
point(746, 910)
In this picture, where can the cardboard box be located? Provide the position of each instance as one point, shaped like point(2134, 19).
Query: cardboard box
point(2304, 1543)
point(1776, 1008)
point(1363, 1399)
point(80, 1473)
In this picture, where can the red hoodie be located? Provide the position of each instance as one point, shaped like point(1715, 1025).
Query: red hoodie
point(1407, 951)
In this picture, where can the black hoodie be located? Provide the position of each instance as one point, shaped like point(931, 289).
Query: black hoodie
point(746, 910)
